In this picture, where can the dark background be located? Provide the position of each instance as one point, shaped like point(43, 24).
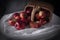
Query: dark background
point(3, 6)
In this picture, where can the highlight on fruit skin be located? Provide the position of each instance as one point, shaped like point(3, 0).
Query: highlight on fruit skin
point(16, 16)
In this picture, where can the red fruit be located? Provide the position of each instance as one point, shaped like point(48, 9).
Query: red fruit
point(16, 16)
point(22, 15)
point(18, 26)
point(37, 16)
point(11, 22)
point(42, 22)
point(33, 25)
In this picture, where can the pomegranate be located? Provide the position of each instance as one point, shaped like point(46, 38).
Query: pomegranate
point(11, 22)
point(17, 26)
point(16, 16)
